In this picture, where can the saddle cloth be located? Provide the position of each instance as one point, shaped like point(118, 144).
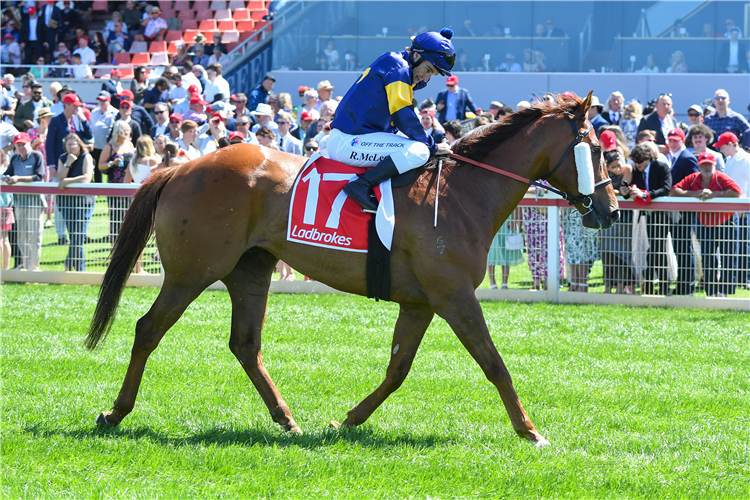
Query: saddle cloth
point(322, 215)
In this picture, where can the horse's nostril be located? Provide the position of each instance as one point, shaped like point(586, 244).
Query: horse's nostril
point(615, 216)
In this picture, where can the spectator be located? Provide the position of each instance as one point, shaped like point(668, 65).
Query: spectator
point(39, 71)
point(189, 137)
point(322, 63)
point(113, 162)
point(154, 27)
point(650, 66)
point(501, 255)
point(581, 249)
point(510, 64)
point(730, 26)
point(27, 166)
point(495, 107)
point(287, 142)
point(218, 57)
point(71, 118)
point(332, 56)
point(243, 127)
point(528, 60)
point(7, 219)
point(182, 56)
point(325, 92)
point(61, 49)
point(630, 120)
point(311, 147)
point(214, 136)
point(110, 26)
point(174, 133)
point(708, 31)
point(239, 101)
point(612, 113)
point(48, 13)
point(200, 75)
point(139, 114)
point(266, 137)
point(466, 29)
point(310, 98)
point(118, 39)
point(429, 125)
point(26, 113)
point(553, 32)
point(651, 179)
point(7, 133)
point(678, 64)
point(217, 42)
point(716, 231)
point(138, 85)
point(351, 61)
point(200, 58)
point(161, 111)
point(182, 106)
point(131, 17)
point(70, 19)
point(236, 138)
point(454, 102)
point(453, 131)
point(188, 77)
point(80, 70)
point(38, 134)
point(159, 93)
point(88, 56)
point(178, 90)
point(683, 161)
point(34, 37)
point(701, 137)
point(99, 46)
point(126, 115)
point(58, 93)
point(160, 145)
point(265, 116)
point(60, 72)
point(738, 169)
point(660, 121)
point(260, 93)
point(725, 119)
point(113, 87)
point(594, 114)
point(217, 84)
point(143, 162)
point(75, 165)
point(11, 50)
point(695, 115)
point(102, 120)
point(540, 61)
point(196, 113)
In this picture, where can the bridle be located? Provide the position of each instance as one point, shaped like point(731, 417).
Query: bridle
point(585, 200)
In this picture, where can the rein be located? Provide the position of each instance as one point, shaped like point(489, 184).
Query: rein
point(585, 200)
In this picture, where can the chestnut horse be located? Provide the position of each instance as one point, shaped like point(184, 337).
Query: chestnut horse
point(224, 217)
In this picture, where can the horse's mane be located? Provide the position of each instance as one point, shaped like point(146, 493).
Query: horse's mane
point(480, 141)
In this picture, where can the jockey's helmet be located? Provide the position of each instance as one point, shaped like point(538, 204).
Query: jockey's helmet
point(436, 48)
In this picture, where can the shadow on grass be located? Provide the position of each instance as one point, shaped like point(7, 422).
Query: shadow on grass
point(362, 436)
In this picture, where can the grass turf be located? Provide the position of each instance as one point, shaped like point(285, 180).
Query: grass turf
point(637, 403)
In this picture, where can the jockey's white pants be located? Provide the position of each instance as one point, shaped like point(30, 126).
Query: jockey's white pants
point(367, 150)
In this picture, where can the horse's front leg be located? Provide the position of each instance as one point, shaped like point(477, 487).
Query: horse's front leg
point(410, 328)
point(464, 315)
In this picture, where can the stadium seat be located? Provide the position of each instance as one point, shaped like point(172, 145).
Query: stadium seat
point(157, 47)
point(257, 15)
point(222, 15)
point(227, 26)
point(210, 35)
point(201, 6)
point(241, 15)
point(102, 72)
point(256, 5)
point(218, 5)
point(232, 46)
point(138, 47)
point(189, 35)
point(174, 47)
point(230, 36)
point(160, 59)
point(168, 13)
point(204, 15)
point(180, 5)
point(259, 25)
point(236, 4)
point(207, 25)
point(127, 73)
point(185, 14)
point(165, 5)
point(122, 58)
point(141, 59)
point(246, 26)
point(189, 24)
point(173, 36)
point(100, 6)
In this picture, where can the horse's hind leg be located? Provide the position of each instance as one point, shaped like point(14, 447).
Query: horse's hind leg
point(248, 285)
point(149, 330)
point(410, 328)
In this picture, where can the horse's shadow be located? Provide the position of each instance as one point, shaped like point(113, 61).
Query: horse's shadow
point(362, 436)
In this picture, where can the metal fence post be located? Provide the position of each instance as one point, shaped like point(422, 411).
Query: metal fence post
point(553, 253)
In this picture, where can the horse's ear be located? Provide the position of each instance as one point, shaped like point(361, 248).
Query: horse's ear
point(586, 105)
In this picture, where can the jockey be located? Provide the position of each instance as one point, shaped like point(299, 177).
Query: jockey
point(363, 134)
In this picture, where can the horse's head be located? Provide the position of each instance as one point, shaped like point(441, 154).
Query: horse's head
point(579, 168)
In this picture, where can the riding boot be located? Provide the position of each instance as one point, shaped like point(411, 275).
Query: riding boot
point(359, 190)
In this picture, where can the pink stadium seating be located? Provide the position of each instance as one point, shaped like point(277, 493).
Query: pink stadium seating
point(159, 59)
point(165, 5)
point(99, 6)
point(246, 26)
point(174, 46)
point(222, 15)
point(257, 15)
point(227, 26)
point(138, 47)
point(189, 35)
point(207, 25)
point(157, 47)
point(167, 13)
point(259, 25)
point(241, 15)
point(256, 4)
point(232, 46)
point(209, 35)
point(173, 36)
point(204, 15)
point(185, 14)
point(218, 5)
point(127, 73)
point(189, 24)
point(122, 58)
point(141, 59)
point(230, 36)
point(102, 72)
point(236, 4)
point(181, 5)
point(201, 6)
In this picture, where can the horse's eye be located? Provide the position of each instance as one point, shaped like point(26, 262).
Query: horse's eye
point(596, 149)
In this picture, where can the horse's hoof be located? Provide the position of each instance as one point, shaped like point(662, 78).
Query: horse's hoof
point(294, 429)
point(334, 425)
point(540, 443)
point(101, 421)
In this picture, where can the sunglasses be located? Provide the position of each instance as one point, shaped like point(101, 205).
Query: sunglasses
point(311, 148)
point(693, 115)
point(175, 122)
point(216, 121)
point(124, 106)
point(283, 123)
point(161, 112)
point(721, 97)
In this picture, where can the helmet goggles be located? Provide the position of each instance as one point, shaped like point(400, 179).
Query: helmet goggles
point(443, 60)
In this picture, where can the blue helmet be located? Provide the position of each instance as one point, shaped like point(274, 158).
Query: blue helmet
point(436, 48)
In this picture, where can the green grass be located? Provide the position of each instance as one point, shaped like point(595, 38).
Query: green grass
point(637, 403)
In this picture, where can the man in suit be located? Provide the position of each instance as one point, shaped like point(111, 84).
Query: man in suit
point(33, 37)
point(453, 102)
point(660, 121)
point(732, 55)
point(613, 115)
point(651, 179)
point(25, 117)
point(684, 164)
point(113, 86)
point(287, 142)
point(553, 32)
point(60, 126)
point(595, 114)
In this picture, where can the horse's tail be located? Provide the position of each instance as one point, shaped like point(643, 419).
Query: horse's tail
point(134, 233)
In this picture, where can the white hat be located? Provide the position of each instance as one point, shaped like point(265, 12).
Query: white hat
point(263, 109)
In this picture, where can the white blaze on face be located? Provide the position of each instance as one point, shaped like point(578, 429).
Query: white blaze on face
point(585, 168)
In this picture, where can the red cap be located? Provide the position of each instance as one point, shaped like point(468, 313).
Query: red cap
point(706, 157)
point(452, 80)
point(726, 138)
point(309, 115)
point(217, 115)
point(303, 89)
point(22, 137)
point(193, 88)
point(428, 112)
point(609, 140)
point(175, 116)
point(236, 135)
point(125, 104)
point(116, 72)
point(31, 10)
point(126, 94)
point(197, 100)
point(568, 94)
point(84, 38)
point(676, 133)
point(72, 99)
